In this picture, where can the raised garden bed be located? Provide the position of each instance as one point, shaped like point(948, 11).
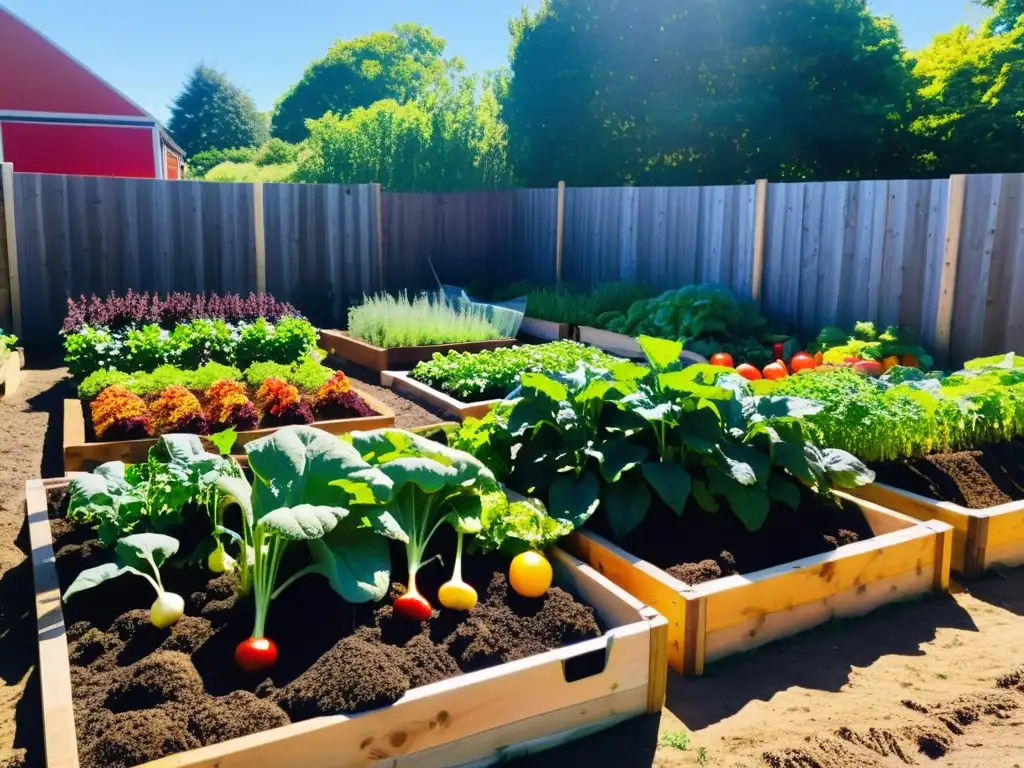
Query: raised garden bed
point(84, 453)
point(475, 717)
point(545, 330)
point(341, 344)
point(621, 345)
point(402, 382)
point(10, 372)
point(903, 558)
point(979, 493)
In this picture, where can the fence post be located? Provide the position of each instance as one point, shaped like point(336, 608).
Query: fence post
point(760, 215)
point(7, 193)
point(378, 196)
point(261, 238)
point(559, 232)
point(950, 260)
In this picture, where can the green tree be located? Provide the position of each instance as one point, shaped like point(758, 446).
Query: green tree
point(972, 99)
point(706, 91)
point(211, 112)
point(1005, 13)
point(399, 65)
point(446, 141)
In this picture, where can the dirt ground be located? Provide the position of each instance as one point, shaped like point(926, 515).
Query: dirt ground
point(933, 682)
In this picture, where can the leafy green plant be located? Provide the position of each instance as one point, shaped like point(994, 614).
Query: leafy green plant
point(676, 739)
point(306, 483)
point(205, 376)
point(142, 555)
point(202, 341)
point(431, 484)
point(389, 321)
point(309, 375)
point(865, 342)
point(561, 305)
point(257, 373)
point(285, 342)
point(615, 438)
point(91, 349)
point(495, 372)
point(524, 526)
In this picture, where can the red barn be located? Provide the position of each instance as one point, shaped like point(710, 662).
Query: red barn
point(56, 116)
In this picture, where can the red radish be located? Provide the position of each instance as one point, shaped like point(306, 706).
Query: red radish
point(779, 350)
point(801, 362)
point(748, 371)
point(723, 359)
point(869, 368)
point(776, 371)
point(414, 606)
point(256, 653)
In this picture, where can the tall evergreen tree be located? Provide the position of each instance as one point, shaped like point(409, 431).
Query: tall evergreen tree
point(211, 112)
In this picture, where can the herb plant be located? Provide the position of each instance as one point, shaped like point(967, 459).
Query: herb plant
point(495, 372)
point(388, 321)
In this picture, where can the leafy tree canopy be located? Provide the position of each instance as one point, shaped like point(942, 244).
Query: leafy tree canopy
point(399, 65)
point(705, 91)
point(213, 113)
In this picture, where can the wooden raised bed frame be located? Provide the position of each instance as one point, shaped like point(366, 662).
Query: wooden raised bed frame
point(733, 614)
point(545, 330)
point(373, 358)
point(622, 345)
point(402, 382)
point(982, 538)
point(82, 455)
point(10, 372)
point(480, 717)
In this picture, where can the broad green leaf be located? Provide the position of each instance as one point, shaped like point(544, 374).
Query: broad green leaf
point(783, 490)
point(224, 441)
point(181, 449)
point(595, 390)
point(748, 503)
point(771, 407)
point(304, 522)
point(574, 500)
point(138, 549)
point(629, 371)
point(625, 504)
point(355, 561)
point(524, 525)
point(618, 456)
point(679, 381)
point(661, 353)
point(546, 385)
point(93, 577)
point(466, 511)
point(846, 470)
point(670, 481)
point(704, 498)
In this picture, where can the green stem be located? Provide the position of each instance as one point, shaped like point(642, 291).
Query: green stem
point(457, 571)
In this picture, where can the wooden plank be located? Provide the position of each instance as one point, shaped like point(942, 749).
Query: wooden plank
point(343, 345)
point(259, 229)
point(622, 345)
point(560, 232)
point(475, 715)
point(760, 214)
point(402, 381)
point(80, 455)
point(13, 269)
point(950, 264)
point(545, 330)
point(54, 666)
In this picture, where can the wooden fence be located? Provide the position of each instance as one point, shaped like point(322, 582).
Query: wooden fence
point(945, 256)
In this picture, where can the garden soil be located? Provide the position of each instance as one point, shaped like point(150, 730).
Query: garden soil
point(936, 674)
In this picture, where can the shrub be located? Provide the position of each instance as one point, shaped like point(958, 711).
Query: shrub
point(250, 172)
point(277, 152)
point(117, 414)
point(387, 321)
point(178, 410)
point(200, 163)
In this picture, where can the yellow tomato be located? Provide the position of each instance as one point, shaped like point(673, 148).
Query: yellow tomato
point(890, 362)
point(530, 574)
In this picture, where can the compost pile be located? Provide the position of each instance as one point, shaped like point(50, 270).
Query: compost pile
point(142, 692)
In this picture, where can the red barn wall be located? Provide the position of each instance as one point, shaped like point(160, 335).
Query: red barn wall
point(39, 77)
point(80, 150)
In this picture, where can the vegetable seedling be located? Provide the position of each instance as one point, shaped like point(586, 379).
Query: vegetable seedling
point(455, 594)
point(530, 574)
point(137, 554)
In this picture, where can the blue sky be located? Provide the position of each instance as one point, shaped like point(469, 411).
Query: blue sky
point(264, 45)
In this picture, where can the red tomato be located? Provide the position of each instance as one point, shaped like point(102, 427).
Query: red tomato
point(869, 368)
point(722, 358)
point(776, 371)
point(850, 360)
point(802, 361)
point(414, 606)
point(256, 653)
point(748, 371)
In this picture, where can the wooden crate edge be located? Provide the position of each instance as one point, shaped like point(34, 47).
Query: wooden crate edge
point(402, 381)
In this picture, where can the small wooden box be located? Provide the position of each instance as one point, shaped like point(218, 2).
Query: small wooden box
point(82, 455)
point(709, 621)
point(341, 344)
point(477, 718)
point(403, 383)
point(982, 538)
